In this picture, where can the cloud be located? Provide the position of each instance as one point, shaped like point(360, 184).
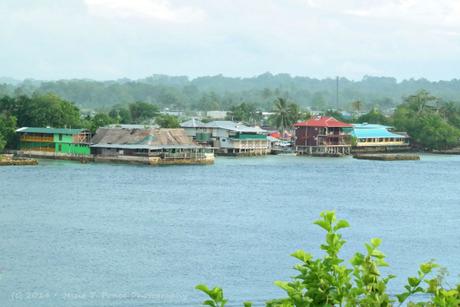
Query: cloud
point(423, 13)
point(106, 39)
point(160, 10)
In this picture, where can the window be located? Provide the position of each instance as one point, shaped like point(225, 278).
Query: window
point(60, 148)
point(60, 137)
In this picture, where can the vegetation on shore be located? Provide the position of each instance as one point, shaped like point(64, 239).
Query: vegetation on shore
point(329, 281)
point(432, 123)
point(53, 111)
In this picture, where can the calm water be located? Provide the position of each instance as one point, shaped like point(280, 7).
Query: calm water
point(119, 235)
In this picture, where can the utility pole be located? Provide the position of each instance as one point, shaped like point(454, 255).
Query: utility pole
point(337, 93)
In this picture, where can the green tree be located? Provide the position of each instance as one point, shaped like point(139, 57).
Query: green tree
point(167, 121)
point(8, 130)
point(337, 115)
point(42, 110)
point(120, 115)
point(100, 120)
point(374, 116)
point(142, 111)
point(286, 114)
point(427, 127)
point(245, 112)
point(2, 143)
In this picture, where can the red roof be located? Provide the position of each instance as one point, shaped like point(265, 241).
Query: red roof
point(323, 121)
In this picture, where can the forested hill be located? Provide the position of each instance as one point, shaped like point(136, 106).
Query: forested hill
point(220, 93)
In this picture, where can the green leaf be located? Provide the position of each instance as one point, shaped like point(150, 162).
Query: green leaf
point(376, 242)
point(203, 288)
point(323, 224)
point(413, 281)
point(302, 255)
point(283, 285)
point(377, 254)
point(357, 259)
point(210, 303)
point(247, 304)
point(427, 267)
point(402, 297)
point(341, 224)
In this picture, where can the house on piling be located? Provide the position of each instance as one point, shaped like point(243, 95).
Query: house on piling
point(54, 142)
point(378, 138)
point(148, 146)
point(322, 136)
point(230, 138)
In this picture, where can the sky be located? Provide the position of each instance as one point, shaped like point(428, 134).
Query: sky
point(111, 39)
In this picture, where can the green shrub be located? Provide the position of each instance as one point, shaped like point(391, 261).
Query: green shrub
point(328, 281)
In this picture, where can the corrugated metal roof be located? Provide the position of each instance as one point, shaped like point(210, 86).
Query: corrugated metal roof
point(362, 131)
point(238, 127)
point(50, 130)
point(193, 123)
point(132, 126)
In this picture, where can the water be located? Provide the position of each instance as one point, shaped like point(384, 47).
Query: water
point(118, 235)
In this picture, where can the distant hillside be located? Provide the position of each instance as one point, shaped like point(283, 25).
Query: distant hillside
point(220, 93)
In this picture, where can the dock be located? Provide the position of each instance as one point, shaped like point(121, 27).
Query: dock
point(9, 160)
point(387, 157)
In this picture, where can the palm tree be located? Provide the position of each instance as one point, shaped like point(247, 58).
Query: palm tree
point(286, 114)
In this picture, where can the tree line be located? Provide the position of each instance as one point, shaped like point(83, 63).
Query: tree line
point(432, 122)
point(221, 93)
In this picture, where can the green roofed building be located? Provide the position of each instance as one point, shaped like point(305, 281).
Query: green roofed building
point(55, 140)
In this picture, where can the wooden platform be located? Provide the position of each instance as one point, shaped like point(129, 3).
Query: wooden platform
point(10, 161)
point(387, 157)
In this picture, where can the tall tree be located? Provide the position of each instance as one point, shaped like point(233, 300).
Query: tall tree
point(286, 114)
point(167, 121)
point(421, 119)
point(142, 111)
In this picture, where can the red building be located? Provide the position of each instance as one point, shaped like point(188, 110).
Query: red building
point(322, 135)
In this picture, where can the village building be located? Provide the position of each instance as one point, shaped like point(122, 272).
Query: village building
point(54, 141)
point(229, 138)
point(148, 146)
point(322, 136)
point(373, 137)
point(216, 115)
point(197, 130)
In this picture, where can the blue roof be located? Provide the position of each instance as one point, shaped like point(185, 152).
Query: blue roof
point(362, 131)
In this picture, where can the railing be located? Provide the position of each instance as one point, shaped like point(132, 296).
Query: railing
point(45, 149)
point(182, 155)
point(39, 139)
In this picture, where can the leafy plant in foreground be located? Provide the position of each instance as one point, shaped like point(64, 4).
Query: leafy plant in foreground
point(328, 281)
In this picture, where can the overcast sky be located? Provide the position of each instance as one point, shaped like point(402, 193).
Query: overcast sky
point(109, 39)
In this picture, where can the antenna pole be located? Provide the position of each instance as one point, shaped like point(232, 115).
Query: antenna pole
point(337, 92)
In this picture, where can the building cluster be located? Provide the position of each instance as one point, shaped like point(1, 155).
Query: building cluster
point(126, 143)
point(197, 142)
point(229, 138)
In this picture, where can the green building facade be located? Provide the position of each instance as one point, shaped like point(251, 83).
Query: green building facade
point(55, 140)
